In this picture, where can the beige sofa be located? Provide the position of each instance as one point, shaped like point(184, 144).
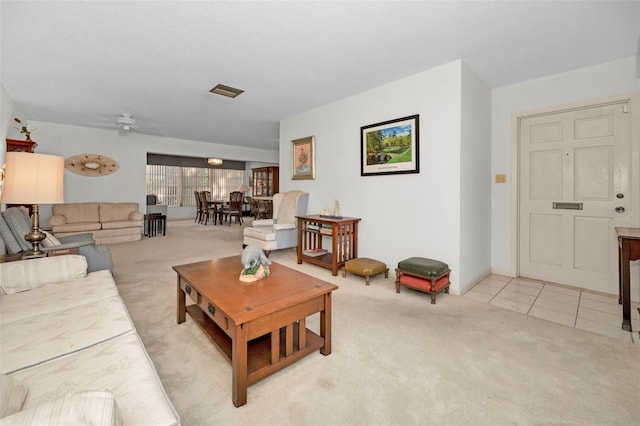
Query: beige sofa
point(70, 353)
point(108, 222)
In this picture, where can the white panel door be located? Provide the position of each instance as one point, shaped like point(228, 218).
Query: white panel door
point(574, 174)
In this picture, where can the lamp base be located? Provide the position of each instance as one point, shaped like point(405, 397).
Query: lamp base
point(33, 255)
point(35, 236)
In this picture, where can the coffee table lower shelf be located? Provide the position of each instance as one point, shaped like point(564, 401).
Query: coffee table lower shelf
point(259, 352)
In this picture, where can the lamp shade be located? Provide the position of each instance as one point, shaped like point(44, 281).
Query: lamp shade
point(243, 188)
point(33, 179)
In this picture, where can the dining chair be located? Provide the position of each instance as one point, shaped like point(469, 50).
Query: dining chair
point(234, 209)
point(209, 209)
point(266, 209)
point(199, 211)
point(257, 210)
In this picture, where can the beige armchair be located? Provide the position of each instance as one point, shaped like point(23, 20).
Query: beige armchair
point(281, 231)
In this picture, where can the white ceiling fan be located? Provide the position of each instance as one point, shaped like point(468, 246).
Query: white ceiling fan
point(126, 124)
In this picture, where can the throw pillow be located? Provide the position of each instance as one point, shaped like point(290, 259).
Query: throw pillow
point(12, 395)
point(50, 241)
point(10, 241)
point(34, 273)
point(20, 224)
point(79, 408)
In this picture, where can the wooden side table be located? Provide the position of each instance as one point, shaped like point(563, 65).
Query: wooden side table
point(53, 252)
point(344, 240)
point(154, 223)
point(628, 250)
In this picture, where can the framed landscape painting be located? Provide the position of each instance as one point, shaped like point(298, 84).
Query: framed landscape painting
point(390, 147)
point(303, 161)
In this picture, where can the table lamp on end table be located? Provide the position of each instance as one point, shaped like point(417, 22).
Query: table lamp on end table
point(33, 179)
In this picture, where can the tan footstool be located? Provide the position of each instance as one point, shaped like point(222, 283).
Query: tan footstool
point(365, 267)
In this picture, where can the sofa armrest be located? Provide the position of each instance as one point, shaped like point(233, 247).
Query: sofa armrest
point(262, 222)
point(281, 226)
point(57, 219)
point(98, 257)
point(136, 216)
point(72, 244)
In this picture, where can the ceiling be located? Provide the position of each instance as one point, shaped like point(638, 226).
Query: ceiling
point(86, 62)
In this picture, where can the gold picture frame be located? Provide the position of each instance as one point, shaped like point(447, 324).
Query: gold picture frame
point(303, 158)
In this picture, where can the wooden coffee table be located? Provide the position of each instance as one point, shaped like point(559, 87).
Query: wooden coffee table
point(259, 327)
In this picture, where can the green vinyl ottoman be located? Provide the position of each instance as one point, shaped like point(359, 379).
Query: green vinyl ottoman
point(365, 267)
point(420, 273)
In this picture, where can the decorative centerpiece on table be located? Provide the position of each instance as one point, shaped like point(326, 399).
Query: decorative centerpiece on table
point(333, 214)
point(255, 263)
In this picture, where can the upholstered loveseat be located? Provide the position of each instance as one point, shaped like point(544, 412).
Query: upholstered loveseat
point(69, 350)
point(108, 222)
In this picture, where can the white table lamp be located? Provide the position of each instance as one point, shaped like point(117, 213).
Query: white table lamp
point(33, 179)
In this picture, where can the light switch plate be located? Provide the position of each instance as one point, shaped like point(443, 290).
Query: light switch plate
point(502, 178)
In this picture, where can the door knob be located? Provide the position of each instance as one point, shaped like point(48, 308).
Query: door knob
point(619, 209)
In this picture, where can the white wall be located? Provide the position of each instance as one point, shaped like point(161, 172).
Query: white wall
point(475, 180)
point(402, 215)
point(8, 111)
point(130, 151)
point(604, 80)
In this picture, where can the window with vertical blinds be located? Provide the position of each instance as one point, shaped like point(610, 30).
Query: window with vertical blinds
point(175, 185)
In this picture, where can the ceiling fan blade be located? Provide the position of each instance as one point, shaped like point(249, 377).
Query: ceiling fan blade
point(101, 125)
point(125, 124)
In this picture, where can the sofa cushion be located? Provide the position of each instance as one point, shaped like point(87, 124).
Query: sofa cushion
point(56, 297)
point(117, 224)
point(288, 208)
point(12, 395)
point(121, 365)
point(78, 212)
point(365, 266)
point(114, 212)
point(76, 227)
point(19, 222)
point(96, 408)
point(422, 284)
point(44, 337)
point(265, 233)
point(34, 273)
point(12, 245)
point(423, 266)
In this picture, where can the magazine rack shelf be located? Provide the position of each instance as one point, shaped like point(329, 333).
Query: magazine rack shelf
point(343, 232)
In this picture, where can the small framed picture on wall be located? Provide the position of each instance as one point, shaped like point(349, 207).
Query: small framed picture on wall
point(303, 158)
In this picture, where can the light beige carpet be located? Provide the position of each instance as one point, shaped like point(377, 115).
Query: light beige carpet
point(396, 360)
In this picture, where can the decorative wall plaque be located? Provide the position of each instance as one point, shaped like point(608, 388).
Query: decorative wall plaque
point(91, 165)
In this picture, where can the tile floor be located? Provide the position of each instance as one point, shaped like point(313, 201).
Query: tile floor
point(568, 306)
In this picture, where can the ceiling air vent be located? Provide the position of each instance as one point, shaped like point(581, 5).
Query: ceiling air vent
point(221, 89)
